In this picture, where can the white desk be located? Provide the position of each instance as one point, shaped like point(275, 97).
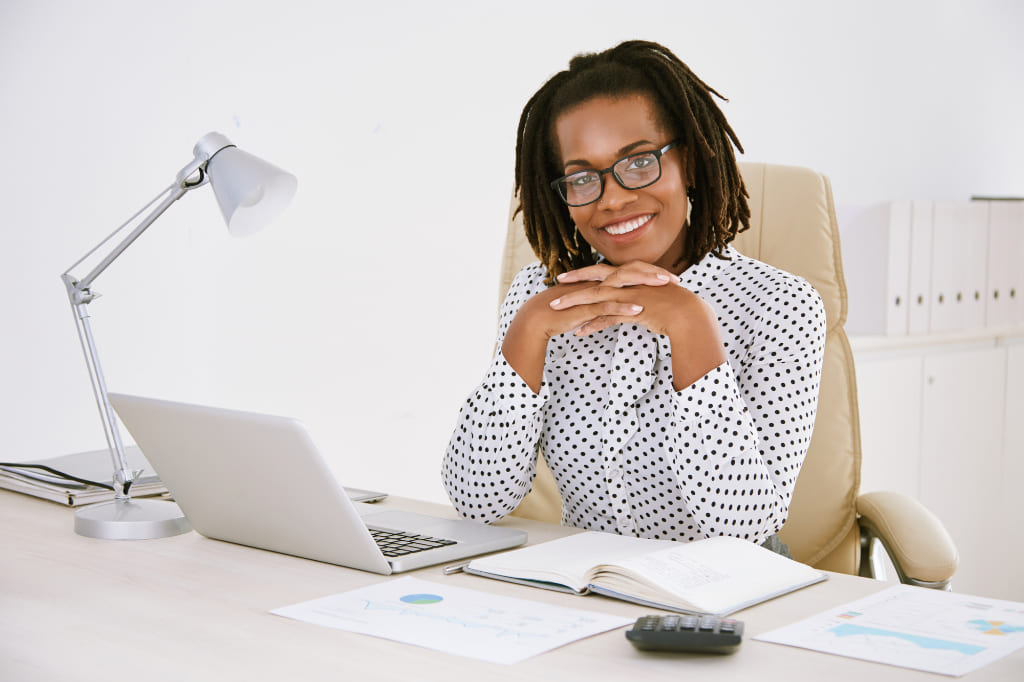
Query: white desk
point(189, 608)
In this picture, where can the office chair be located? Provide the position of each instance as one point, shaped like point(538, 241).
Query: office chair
point(830, 525)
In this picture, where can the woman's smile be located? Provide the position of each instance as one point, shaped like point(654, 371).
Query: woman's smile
point(628, 226)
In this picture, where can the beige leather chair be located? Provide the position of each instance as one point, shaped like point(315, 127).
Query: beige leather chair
point(830, 526)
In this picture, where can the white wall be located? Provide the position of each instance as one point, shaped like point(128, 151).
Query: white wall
point(368, 310)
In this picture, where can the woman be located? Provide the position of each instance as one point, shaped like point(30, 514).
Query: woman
point(670, 382)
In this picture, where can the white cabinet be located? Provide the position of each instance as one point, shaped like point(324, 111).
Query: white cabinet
point(1011, 498)
point(961, 459)
point(942, 419)
point(889, 390)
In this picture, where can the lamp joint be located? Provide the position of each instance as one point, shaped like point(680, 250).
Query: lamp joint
point(76, 293)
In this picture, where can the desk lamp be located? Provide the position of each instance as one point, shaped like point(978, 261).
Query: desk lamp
point(251, 193)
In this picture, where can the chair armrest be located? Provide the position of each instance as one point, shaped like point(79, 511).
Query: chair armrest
point(921, 550)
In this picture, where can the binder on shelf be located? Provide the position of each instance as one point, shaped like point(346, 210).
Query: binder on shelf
point(947, 277)
point(1005, 276)
point(959, 254)
point(878, 301)
point(975, 242)
point(918, 313)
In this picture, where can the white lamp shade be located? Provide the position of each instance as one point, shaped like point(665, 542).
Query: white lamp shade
point(251, 192)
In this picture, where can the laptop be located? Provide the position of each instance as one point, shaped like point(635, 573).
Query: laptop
point(258, 480)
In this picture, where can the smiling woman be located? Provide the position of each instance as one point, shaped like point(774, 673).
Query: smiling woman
point(670, 382)
point(678, 104)
point(639, 216)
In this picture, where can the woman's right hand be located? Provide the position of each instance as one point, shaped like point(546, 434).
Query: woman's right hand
point(526, 340)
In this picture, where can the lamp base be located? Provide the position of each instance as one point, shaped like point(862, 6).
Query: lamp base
point(130, 519)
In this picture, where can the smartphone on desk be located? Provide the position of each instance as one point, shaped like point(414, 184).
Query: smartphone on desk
point(360, 495)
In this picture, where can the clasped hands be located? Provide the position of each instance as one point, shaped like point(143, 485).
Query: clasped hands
point(596, 297)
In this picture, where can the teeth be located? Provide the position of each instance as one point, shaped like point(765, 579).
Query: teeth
point(628, 226)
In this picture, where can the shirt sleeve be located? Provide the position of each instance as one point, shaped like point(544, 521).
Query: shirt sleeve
point(491, 459)
point(742, 435)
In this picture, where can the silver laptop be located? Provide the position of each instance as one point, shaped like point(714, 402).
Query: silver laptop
point(259, 480)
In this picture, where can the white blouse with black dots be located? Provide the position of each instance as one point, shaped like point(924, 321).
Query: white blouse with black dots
point(632, 455)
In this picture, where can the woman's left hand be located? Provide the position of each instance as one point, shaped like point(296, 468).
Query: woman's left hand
point(654, 289)
point(667, 308)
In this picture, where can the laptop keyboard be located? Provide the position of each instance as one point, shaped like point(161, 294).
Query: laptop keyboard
point(397, 543)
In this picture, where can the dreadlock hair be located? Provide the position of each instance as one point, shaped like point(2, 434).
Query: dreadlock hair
point(718, 197)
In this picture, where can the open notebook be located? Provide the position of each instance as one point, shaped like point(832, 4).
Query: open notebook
point(717, 575)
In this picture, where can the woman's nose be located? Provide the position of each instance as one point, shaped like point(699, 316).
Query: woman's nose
point(615, 196)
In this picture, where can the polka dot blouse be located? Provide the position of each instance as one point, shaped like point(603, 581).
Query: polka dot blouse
point(632, 455)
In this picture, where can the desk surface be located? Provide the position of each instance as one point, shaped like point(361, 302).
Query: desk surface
point(76, 608)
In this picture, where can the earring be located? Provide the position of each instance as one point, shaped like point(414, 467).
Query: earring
point(690, 192)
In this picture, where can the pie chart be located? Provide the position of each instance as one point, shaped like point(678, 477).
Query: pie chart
point(421, 598)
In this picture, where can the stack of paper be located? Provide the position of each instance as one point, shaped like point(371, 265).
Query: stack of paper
point(95, 466)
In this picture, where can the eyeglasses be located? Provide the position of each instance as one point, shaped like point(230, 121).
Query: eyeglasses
point(635, 171)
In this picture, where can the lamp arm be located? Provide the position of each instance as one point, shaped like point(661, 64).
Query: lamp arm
point(83, 284)
point(80, 295)
point(123, 476)
point(186, 180)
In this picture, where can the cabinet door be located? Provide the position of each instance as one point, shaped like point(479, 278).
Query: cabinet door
point(1011, 507)
point(889, 401)
point(961, 462)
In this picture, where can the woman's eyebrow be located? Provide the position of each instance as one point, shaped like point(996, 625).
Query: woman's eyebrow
point(624, 151)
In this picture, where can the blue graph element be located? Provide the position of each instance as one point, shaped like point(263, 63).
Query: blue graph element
point(849, 630)
point(498, 629)
point(421, 598)
point(990, 627)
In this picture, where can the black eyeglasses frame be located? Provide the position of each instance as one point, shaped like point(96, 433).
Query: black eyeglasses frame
point(558, 186)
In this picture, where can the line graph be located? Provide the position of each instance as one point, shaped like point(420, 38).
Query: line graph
point(456, 620)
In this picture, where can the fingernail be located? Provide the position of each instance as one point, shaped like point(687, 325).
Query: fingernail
point(664, 277)
point(637, 308)
point(561, 275)
point(555, 302)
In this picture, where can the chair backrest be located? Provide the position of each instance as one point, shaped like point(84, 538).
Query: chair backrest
point(793, 227)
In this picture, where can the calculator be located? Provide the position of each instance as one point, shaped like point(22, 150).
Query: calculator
point(679, 632)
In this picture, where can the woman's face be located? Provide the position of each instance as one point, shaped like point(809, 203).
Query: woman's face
point(626, 224)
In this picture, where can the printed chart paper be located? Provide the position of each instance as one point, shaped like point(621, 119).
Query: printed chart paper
point(454, 620)
point(913, 627)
